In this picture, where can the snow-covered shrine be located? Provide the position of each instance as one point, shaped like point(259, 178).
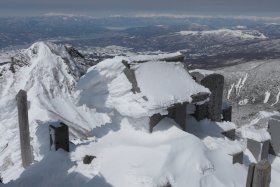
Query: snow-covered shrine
point(152, 87)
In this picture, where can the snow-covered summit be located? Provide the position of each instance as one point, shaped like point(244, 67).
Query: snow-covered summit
point(118, 95)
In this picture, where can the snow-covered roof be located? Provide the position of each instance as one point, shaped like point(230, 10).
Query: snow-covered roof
point(159, 85)
point(165, 83)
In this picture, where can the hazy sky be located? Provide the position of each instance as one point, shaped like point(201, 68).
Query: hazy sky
point(94, 7)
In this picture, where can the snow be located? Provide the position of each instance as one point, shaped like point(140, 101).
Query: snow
point(277, 98)
point(105, 87)
point(240, 84)
point(110, 122)
point(165, 83)
point(49, 87)
point(243, 101)
point(266, 96)
point(135, 158)
point(112, 90)
point(243, 34)
point(230, 90)
point(241, 27)
point(259, 116)
point(203, 72)
point(142, 58)
point(259, 135)
point(275, 170)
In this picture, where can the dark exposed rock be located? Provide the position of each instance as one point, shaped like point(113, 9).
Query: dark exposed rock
point(88, 159)
point(12, 68)
point(262, 174)
point(74, 52)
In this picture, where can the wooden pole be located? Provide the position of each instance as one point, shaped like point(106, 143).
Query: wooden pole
point(25, 146)
point(262, 174)
point(250, 175)
point(259, 175)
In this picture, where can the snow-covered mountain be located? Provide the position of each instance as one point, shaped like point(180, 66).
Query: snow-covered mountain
point(49, 74)
point(253, 82)
point(226, 33)
point(252, 86)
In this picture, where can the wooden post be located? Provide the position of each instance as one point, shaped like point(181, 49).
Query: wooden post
point(25, 146)
point(274, 131)
point(250, 175)
point(259, 149)
point(262, 174)
point(215, 83)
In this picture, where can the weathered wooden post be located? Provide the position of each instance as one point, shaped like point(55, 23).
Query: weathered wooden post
point(25, 146)
point(215, 83)
point(59, 137)
point(250, 175)
point(259, 175)
point(262, 174)
point(274, 131)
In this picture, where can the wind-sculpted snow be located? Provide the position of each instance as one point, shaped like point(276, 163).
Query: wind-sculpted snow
point(135, 158)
